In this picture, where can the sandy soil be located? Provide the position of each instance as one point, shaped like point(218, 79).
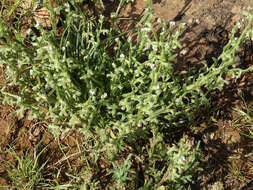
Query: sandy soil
point(208, 26)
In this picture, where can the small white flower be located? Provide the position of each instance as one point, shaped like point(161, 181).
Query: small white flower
point(104, 95)
point(182, 159)
point(31, 72)
point(157, 87)
point(19, 99)
point(8, 68)
point(154, 47)
point(159, 20)
point(75, 15)
point(113, 15)
point(113, 64)
point(236, 38)
point(67, 44)
point(122, 55)
point(50, 48)
point(238, 24)
point(152, 66)
point(92, 92)
point(146, 29)
point(116, 39)
point(63, 48)
point(172, 23)
point(37, 25)
point(28, 32)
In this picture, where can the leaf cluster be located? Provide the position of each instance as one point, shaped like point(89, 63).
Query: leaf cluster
point(115, 89)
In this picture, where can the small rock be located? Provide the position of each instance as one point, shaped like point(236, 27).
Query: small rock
point(217, 186)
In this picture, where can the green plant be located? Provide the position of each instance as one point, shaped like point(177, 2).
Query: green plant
point(74, 78)
point(114, 90)
point(236, 171)
point(171, 166)
point(121, 173)
point(244, 119)
point(27, 173)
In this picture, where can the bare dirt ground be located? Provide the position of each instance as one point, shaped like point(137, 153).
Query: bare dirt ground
point(225, 147)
